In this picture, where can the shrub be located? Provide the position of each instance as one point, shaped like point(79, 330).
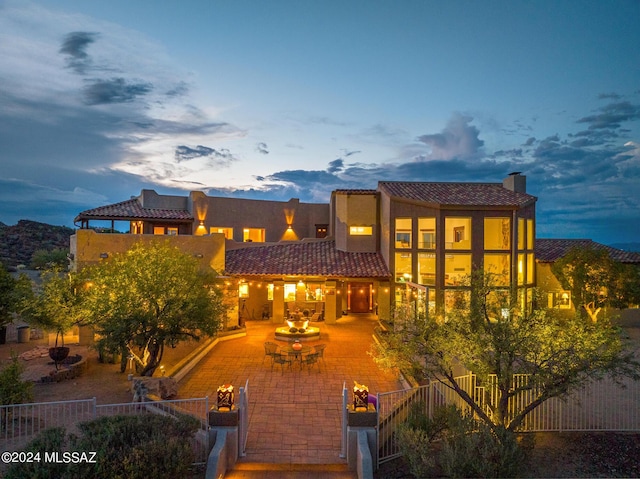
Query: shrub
point(455, 444)
point(141, 446)
point(13, 390)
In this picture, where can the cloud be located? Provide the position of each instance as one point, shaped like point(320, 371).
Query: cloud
point(114, 90)
point(75, 46)
point(262, 148)
point(612, 115)
point(220, 157)
point(336, 166)
point(459, 139)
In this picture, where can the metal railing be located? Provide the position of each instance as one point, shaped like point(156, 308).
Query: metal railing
point(604, 405)
point(21, 423)
point(243, 410)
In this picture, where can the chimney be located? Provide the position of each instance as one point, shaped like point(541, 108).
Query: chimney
point(515, 182)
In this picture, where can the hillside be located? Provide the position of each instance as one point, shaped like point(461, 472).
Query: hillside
point(20, 241)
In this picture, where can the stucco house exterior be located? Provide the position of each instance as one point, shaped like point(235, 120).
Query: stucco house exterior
point(364, 251)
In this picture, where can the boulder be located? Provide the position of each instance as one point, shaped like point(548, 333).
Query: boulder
point(163, 387)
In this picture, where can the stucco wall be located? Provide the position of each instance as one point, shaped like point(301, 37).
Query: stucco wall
point(87, 246)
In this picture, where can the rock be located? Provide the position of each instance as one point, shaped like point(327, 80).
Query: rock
point(164, 387)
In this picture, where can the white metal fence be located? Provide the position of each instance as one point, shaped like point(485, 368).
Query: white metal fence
point(243, 410)
point(20, 423)
point(599, 406)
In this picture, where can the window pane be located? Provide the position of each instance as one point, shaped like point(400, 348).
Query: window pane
point(457, 233)
point(403, 232)
point(499, 266)
point(227, 232)
point(521, 233)
point(521, 259)
point(427, 233)
point(290, 292)
point(253, 235)
point(456, 299)
point(457, 268)
point(158, 230)
point(403, 267)
point(530, 234)
point(427, 268)
point(360, 230)
point(531, 268)
point(497, 233)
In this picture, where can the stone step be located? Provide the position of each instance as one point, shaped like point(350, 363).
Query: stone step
point(254, 470)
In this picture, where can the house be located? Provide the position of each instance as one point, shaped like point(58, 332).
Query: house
point(548, 251)
point(364, 251)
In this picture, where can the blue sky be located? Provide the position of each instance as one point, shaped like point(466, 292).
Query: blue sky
point(285, 99)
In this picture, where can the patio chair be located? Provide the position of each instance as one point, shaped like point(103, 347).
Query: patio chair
point(319, 349)
point(309, 360)
point(281, 359)
point(269, 350)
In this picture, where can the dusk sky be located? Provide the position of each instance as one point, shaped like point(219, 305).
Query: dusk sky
point(293, 99)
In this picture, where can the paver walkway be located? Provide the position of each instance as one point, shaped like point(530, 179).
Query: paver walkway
point(294, 415)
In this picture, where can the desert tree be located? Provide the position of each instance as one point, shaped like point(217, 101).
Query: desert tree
point(494, 339)
point(151, 297)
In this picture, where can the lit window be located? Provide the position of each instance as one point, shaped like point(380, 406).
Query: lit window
point(360, 230)
point(290, 292)
point(403, 232)
point(521, 233)
point(255, 235)
point(498, 265)
point(427, 233)
point(403, 267)
point(243, 290)
point(560, 300)
point(172, 231)
point(530, 234)
point(497, 233)
point(427, 268)
point(457, 268)
point(457, 233)
point(227, 232)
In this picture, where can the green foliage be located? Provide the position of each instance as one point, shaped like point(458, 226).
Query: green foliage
point(556, 355)
point(11, 292)
point(454, 444)
point(143, 446)
point(148, 298)
point(57, 304)
point(595, 280)
point(50, 440)
point(47, 259)
point(13, 390)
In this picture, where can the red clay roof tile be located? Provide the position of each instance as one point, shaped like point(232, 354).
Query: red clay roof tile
point(131, 209)
point(550, 250)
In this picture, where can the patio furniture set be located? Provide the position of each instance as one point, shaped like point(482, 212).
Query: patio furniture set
point(295, 353)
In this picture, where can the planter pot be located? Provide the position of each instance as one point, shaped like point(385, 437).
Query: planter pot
point(59, 353)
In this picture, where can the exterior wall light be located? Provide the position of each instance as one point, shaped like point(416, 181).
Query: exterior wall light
point(104, 255)
point(226, 397)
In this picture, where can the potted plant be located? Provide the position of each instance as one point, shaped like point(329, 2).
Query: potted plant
point(55, 306)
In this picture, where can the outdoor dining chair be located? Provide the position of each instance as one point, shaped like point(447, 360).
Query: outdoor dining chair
point(269, 350)
point(309, 360)
point(319, 348)
point(281, 359)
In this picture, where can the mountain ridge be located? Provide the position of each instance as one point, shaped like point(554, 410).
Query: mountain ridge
point(20, 241)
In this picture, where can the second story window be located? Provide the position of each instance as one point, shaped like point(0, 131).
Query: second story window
point(457, 232)
point(426, 233)
point(360, 230)
point(255, 235)
point(403, 232)
point(497, 233)
point(227, 232)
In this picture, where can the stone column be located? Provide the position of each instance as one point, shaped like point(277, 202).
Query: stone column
point(330, 305)
point(278, 302)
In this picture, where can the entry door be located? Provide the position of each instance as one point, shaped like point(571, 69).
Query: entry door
point(360, 293)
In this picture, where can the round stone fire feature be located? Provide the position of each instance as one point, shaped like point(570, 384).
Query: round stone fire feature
point(285, 333)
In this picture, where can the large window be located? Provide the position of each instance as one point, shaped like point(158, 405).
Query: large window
point(227, 232)
point(497, 233)
point(499, 266)
point(403, 232)
point(456, 299)
point(427, 269)
point(255, 235)
point(457, 269)
point(521, 233)
point(457, 233)
point(165, 230)
point(403, 267)
point(530, 234)
point(426, 233)
point(521, 268)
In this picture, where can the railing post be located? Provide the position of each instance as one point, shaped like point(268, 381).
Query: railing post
point(343, 445)
point(94, 413)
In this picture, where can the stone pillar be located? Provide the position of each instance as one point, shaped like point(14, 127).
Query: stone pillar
point(384, 301)
point(223, 439)
point(330, 304)
point(362, 441)
point(278, 302)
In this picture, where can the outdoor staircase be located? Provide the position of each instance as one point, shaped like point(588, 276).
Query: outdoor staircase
point(251, 470)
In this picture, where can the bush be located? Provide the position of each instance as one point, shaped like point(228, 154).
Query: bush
point(13, 390)
point(142, 446)
point(454, 444)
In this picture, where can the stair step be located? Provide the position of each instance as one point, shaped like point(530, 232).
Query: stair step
point(266, 466)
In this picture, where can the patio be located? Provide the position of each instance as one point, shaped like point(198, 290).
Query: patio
point(294, 415)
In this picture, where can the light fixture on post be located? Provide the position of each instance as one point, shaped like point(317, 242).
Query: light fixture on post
point(226, 397)
point(360, 397)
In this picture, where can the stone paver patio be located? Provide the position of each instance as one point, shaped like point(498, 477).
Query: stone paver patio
point(294, 415)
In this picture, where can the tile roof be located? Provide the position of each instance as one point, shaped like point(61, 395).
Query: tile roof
point(313, 258)
point(550, 250)
point(459, 194)
point(131, 209)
